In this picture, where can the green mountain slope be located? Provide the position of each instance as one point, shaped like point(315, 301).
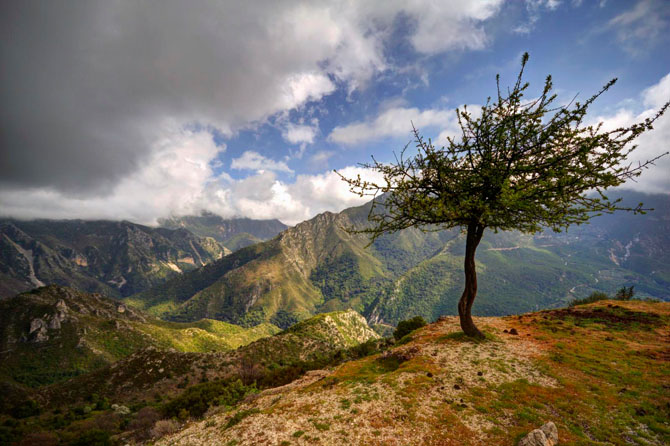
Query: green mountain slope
point(317, 266)
point(152, 372)
point(54, 333)
point(113, 258)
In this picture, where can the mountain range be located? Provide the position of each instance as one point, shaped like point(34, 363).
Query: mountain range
point(320, 265)
point(116, 258)
point(233, 233)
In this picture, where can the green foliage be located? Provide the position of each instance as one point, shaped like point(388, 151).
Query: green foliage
point(593, 297)
point(25, 409)
point(407, 326)
point(339, 278)
point(198, 398)
point(284, 319)
point(625, 293)
point(518, 164)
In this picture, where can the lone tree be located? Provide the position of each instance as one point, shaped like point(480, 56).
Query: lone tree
point(519, 165)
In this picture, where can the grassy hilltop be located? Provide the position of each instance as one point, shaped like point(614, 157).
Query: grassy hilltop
point(599, 371)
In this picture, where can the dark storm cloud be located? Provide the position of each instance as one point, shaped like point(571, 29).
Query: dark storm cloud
point(87, 87)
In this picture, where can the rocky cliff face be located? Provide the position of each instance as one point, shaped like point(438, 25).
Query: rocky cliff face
point(113, 258)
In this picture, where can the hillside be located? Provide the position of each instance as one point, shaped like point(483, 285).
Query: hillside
point(317, 266)
point(599, 372)
point(151, 371)
point(159, 381)
point(233, 233)
point(112, 258)
point(55, 333)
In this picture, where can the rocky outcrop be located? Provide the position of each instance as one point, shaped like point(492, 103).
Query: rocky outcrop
point(38, 330)
point(547, 435)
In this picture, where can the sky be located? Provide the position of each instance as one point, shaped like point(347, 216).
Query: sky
point(143, 110)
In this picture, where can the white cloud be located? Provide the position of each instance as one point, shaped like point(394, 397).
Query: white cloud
point(101, 82)
point(178, 180)
point(251, 160)
point(640, 27)
point(300, 133)
point(320, 159)
point(394, 122)
point(450, 25)
point(534, 9)
point(650, 144)
point(173, 180)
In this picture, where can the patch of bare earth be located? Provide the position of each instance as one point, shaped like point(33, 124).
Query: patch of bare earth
point(414, 394)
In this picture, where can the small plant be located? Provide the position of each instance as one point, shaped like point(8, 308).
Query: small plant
point(298, 434)
point(407, 326)
point(625, 293)
point(163, 428)
point(239, 416)
point(593, 297)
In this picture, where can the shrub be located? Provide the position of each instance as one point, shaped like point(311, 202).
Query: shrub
point(197, 399)
point(239, 416)
point(625, 293)
point(407, 326)
point(593, 297)
point(39, 439)
point(163, 428)
point(25, 409)
point(143, 422)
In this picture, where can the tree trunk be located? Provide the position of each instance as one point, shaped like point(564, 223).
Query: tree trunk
point(475, 232)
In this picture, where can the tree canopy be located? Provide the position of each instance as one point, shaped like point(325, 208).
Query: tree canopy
point(518, 164)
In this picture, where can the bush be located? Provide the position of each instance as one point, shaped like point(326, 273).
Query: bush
point(239, 416)
point(25, 409)
point(593, 297)
point(163, 428)
point(39, 439)
point(625, 293)
point(407, 326)
point(144, 422)
point(197, 399)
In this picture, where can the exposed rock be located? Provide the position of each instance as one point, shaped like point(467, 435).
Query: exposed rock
point(38, 330)
point(551, 432)
point(547, 435)
point(35, 325)
point(54, 323)
point(61, 306)
point(535, 438)
point(120, 410)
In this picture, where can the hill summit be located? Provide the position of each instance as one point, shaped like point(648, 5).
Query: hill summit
point(599, 372)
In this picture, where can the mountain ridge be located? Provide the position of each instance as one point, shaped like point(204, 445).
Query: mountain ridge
point(319, 266)
point(116, 258)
